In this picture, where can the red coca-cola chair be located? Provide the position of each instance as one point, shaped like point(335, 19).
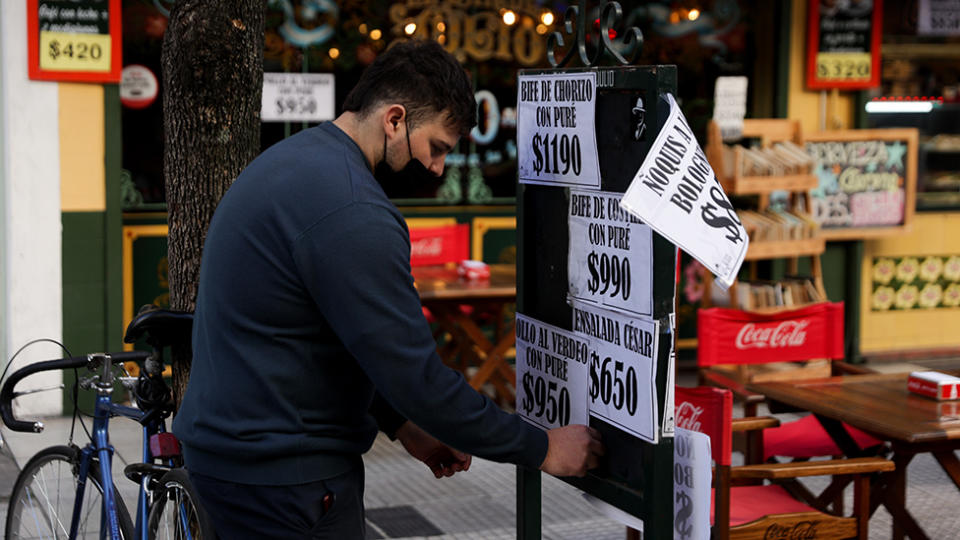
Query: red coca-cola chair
point(765, 510)
point(439, 245)
point(732, 342)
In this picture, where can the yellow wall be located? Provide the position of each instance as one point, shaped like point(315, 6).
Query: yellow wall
point(886, 331)
point(82, 175)
point(807, 105)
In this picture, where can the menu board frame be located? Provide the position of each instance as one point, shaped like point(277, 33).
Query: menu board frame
point(635, 475)
point(36, 72)
point(910, 136)
point(814, 82)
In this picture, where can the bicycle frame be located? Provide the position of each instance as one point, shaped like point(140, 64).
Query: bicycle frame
point(100, 446)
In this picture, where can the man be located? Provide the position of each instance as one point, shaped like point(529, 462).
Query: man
point(308, 333)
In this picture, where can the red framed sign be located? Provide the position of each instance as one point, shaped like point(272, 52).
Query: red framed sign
point(843, 44)
point(74, 40)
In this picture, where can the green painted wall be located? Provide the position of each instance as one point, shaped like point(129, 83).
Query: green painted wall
point(84, 290)
point(92, 263)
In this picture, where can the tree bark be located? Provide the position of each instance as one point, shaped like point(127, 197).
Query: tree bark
point(212, 63)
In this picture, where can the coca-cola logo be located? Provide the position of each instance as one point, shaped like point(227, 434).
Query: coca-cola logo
point(803, 530)
point(688, 416)
point(427, 247)
point(773, 335)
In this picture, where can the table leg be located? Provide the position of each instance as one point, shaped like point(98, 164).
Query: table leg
point(840, 436)
point(470, 344)
point(951, 465)
point(494, 362)
point(895, 501)
point(891, 489)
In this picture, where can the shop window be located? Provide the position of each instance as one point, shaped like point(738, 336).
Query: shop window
point(705, 39)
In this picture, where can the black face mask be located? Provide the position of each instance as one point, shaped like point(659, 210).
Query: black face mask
point(413, 175)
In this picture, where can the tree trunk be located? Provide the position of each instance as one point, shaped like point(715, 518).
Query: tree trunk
point(212, 81)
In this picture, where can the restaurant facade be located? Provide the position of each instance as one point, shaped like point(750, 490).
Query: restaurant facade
point(83, 205)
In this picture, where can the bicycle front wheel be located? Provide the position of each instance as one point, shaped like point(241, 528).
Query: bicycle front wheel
point(44, 497)
point(176, 512)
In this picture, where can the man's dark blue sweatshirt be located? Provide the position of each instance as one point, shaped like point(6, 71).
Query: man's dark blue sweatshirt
point(306, 308)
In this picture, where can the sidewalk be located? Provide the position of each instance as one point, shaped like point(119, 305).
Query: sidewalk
point(403, 500)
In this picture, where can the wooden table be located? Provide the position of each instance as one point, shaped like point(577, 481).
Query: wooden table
point(882, 406)
point(458, 304)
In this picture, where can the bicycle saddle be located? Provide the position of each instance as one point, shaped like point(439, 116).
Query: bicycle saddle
point(162, 327)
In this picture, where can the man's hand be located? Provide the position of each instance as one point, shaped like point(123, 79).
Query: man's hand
point(442, 460)
point(572, 450)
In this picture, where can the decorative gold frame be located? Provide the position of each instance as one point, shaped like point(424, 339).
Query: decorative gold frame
point(481, 225)
point(130, 234)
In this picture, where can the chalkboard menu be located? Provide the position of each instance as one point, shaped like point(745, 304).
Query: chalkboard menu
point(74, 40)
point(843, 44)
point(867, 183)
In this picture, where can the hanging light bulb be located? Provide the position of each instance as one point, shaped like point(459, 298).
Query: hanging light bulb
point(509, 17)
point(410, 28)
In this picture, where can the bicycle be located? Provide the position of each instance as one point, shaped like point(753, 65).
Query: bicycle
point(50, 498)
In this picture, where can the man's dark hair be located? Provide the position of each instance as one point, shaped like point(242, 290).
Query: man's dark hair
point(421, 76)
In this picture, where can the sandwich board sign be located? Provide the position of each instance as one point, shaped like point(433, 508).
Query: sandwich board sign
point(595, 284)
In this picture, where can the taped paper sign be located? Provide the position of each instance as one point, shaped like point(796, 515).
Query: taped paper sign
point(610, 260)
point(677, 194)
point(556, 134)
point(623, 368)
point(551, 374)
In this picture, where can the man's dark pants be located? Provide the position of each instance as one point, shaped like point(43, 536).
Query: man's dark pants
point(331, 508)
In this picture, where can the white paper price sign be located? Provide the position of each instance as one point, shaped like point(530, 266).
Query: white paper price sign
point(556, 140)
point(551, 374)
point(297, 97)
point(623, 367)
point(610, 260)
point(691, 485)
point(677, 193)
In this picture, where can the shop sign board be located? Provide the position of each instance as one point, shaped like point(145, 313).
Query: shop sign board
point(74, 40)
point(297, 97)
point(843, 44)
point(730, 106)
point(938, 18)
point(551, 374)
point(556, 135)
point(623, 367)
point(138, 87)
point(867, 181)
point(610, 260)
point(676, 192)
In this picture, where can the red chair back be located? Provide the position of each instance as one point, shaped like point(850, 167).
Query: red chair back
point(707, 410)
point(439, 245)
point(730, 336)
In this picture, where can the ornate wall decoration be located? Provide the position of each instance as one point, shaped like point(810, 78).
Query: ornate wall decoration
point(905, 283)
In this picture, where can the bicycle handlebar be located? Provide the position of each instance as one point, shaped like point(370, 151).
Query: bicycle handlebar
point(7, 394)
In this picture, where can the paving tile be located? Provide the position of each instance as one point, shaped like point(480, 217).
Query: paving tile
point(401, 521)
point(481, 503)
